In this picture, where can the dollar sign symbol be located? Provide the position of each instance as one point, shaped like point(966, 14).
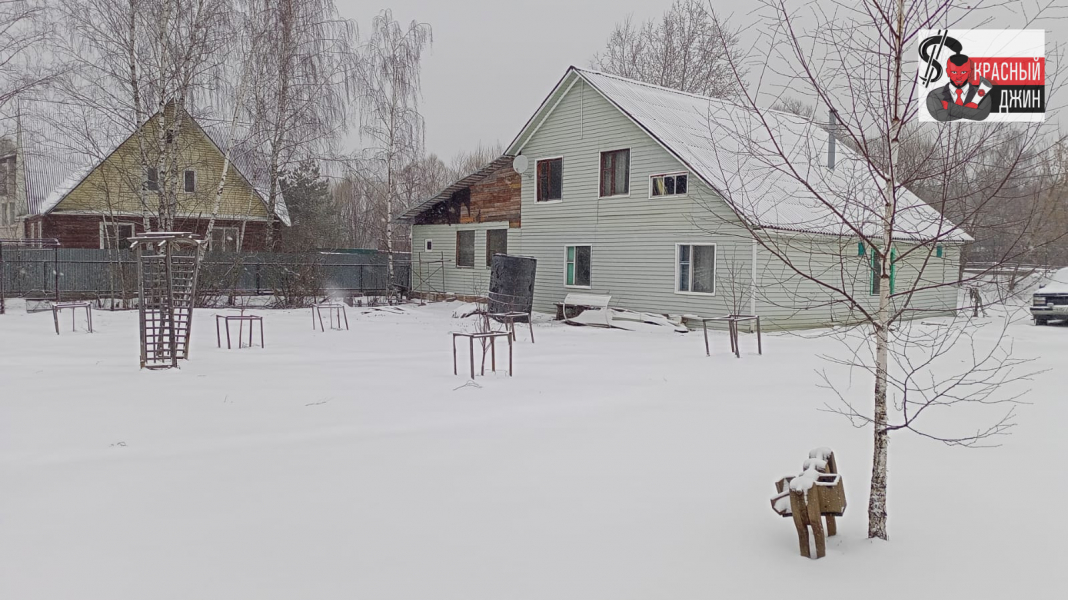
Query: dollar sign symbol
point(933, 70)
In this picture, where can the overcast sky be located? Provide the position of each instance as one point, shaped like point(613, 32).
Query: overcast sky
point(494, 61)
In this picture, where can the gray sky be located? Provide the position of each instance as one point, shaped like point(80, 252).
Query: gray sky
point(494, 61)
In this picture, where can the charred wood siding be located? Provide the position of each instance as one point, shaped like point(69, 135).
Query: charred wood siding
point(495, 198)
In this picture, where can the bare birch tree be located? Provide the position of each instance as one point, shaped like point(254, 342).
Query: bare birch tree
point(687, 50)
point(390, 118)
point(24, 63)
point(860, 200)
point(306, 73)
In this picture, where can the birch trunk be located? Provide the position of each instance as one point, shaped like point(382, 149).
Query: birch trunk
point(880, 434)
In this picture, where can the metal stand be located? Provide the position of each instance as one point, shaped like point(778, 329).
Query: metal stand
point(167, 267)
point(333, 309)
point(732, 328)
point(73, 306)
point(492, 337)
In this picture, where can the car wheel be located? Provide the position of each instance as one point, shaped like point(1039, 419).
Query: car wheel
point(1039, 321)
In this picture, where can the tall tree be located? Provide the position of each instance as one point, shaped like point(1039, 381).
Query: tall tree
point(24, 63)
point(306, 72)
point(390, 118)
point(687, 49)
point(837, 58)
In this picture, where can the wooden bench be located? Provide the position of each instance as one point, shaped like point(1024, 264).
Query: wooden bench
point(586, 303)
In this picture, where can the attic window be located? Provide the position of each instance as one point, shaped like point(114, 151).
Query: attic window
point(152, 180)
point(668, 185)
point(615, 173)
point(550, 179)
point(190, 181)
point(170, 136)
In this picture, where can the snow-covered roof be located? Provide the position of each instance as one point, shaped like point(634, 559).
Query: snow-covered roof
point(729, 147)
point(59, 151)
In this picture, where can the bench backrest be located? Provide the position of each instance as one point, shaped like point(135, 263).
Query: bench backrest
point(592, 300)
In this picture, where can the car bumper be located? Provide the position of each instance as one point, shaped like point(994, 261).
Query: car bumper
point(1056, 310)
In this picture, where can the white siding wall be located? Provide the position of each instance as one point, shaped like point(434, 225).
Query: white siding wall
point(436, 271)
point(633, 238)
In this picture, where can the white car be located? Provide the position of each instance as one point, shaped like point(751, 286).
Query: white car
point(1050, 302)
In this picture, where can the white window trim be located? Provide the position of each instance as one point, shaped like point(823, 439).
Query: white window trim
point(630, 157)
point(575, 245)
point(116, 225)
point(536, 178)
point(196, 181)
point(683, 195)
point(428, 245)
point(474, 249)
point(715, 269)
point(237, 237)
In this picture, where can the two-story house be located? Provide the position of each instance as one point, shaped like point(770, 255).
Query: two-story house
point(613, 186)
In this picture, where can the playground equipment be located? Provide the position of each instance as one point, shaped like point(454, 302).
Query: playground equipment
point(167, 267)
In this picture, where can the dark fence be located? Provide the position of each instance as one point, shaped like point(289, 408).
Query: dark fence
point(82, 273)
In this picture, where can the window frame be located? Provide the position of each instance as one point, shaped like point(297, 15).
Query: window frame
point(489, 255)
point(474, 242)
point(104, 240)
point(577, 245)
point(600, 173)
point(715, 268)
point(874, 254)
point(152, 183)
point(672, 174)
point(237, 238)
point(537, 180)
point(185, 181)
point(428, 245)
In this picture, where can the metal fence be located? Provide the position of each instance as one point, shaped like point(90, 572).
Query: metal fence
point(87, 273)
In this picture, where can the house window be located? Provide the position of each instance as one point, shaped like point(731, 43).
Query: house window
point(615, 173)
point(578, 266)
point(668, 185)
point(496, 243)
point(116, 235)
point(696, 268)
point(223, 239)
point(190, 181)
point(428, 245)
point(152, 182)
point(877, 270)
point(465, 248)
point(550, 179)
point(938, 251)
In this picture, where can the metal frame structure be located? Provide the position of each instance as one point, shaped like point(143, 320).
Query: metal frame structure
point(28, 244)
point(167, 268)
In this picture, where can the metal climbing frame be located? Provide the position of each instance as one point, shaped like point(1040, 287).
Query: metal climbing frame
point(167, 267)
point(428, 267)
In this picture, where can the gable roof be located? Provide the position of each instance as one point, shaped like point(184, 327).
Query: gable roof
point(456, 186)
point(729, 148)
point(56, 159)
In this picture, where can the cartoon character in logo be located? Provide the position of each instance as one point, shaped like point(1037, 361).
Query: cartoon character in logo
point(960, 99)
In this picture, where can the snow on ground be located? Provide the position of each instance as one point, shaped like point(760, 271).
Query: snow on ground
point(615, 464)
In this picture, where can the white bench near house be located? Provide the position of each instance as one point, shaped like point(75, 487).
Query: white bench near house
point(593, 309)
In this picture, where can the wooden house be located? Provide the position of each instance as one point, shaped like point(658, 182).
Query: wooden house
point(89, 187)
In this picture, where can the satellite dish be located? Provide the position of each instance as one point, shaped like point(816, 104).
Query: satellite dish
point(520, 164)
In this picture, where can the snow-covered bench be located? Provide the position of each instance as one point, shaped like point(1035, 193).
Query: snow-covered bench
point(593, 309)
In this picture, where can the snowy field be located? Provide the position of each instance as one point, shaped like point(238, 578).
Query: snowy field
point(614, 465)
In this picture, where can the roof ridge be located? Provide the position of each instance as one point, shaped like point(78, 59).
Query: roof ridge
point(690, 94)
